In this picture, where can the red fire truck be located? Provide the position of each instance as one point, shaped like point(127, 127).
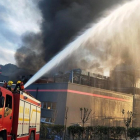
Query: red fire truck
point(19, 116)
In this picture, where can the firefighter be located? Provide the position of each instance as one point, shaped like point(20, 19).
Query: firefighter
point(5, 84)
point(9, 84)
point(19, 86)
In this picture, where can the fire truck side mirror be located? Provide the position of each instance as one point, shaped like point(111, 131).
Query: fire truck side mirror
point(2, 101)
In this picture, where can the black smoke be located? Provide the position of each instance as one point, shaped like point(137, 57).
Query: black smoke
point(62, 22)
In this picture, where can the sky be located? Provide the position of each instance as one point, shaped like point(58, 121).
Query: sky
point(17, 17)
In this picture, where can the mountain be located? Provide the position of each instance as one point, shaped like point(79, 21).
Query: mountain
point(8, 69)
point(13, 72)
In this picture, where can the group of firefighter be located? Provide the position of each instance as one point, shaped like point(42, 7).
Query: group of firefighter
point(19, 86)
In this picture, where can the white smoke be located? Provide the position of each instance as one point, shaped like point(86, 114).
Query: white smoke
point(112, 40)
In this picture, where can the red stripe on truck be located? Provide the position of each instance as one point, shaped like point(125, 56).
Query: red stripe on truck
point(29, 100)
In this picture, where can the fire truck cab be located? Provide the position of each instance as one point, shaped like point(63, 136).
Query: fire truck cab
point(19, 116)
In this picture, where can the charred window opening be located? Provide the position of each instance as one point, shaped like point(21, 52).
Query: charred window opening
point(49, 105)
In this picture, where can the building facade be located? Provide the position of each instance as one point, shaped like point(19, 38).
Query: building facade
point(65, 99)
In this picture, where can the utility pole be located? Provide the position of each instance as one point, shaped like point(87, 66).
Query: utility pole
point(66, 117)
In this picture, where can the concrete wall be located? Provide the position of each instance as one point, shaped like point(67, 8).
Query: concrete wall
point(106, 105)
point(136, 111)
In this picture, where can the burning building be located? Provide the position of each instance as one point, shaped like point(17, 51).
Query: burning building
point(82, 77)
point(65, 93)
point(80, 89)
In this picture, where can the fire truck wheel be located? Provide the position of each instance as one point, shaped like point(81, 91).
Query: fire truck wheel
point(31, 136)
point(1, 138)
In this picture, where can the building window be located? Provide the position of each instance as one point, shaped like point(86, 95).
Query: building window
point(48, 119)
point(48, 105)
point(44, 105)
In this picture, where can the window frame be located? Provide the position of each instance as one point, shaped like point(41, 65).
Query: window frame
point(46, 106)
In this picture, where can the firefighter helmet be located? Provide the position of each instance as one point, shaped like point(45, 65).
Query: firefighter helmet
point(10, 83)
point(18, 82)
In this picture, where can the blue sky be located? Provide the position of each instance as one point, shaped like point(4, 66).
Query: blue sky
point(16, 18)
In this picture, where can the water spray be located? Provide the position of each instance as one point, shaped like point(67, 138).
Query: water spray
point(119, 29)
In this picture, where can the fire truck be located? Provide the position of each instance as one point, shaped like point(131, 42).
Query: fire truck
point(19, 116)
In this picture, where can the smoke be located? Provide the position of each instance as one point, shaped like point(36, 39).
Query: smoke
point(29, 56)
point(114, 40)
point(62, 20)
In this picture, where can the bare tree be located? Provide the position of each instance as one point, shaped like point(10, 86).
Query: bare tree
point(127, 120)
point(85, 113)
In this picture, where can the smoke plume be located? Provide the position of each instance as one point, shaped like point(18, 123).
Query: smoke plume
point(111, 41)
point(62, 20)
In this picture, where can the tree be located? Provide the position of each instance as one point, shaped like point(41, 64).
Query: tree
point(85, 113)
point(127, 120)
point(43, 130)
